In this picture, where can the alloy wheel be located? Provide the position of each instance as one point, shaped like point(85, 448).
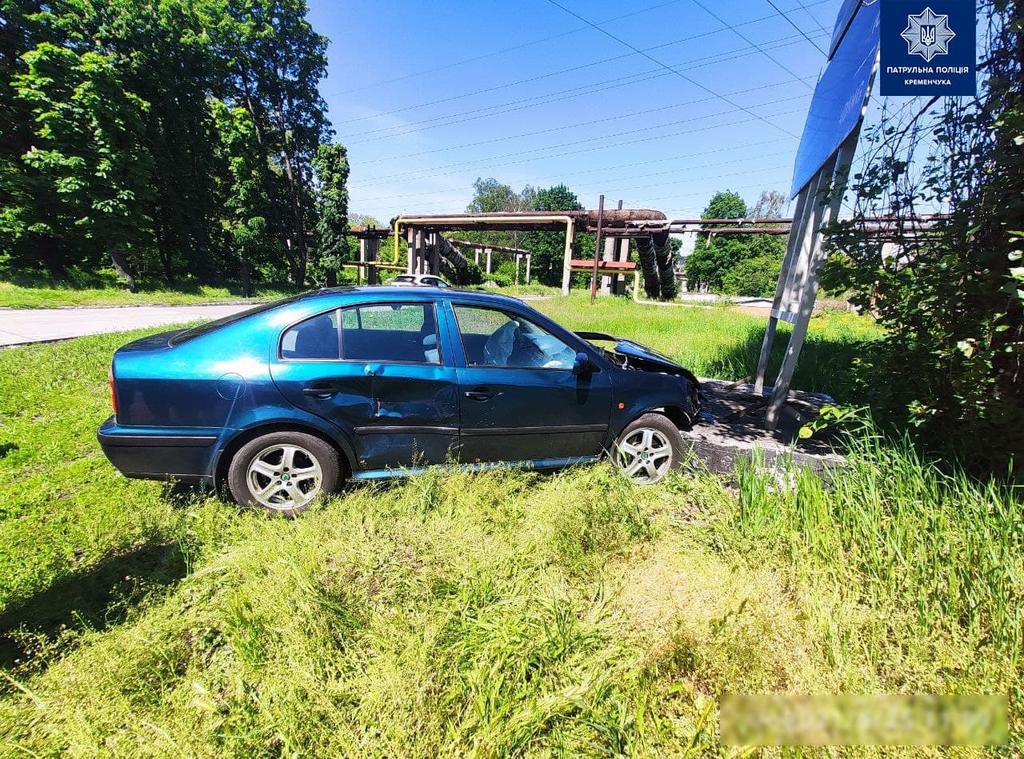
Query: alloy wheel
point(644, 455)
point(284, 477)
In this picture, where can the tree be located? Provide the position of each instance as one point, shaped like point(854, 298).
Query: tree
point(769, 206)
point(737, 264)
point(274, 62)
point(952, 300)
point(725, 204)
point(548, 248)
point(199, 191)
point(491, 196)
point(331, 167)
point(87, 173)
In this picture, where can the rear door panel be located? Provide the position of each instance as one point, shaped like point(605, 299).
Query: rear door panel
point(395, 413)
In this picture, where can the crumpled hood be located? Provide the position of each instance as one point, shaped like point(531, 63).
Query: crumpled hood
point(640, 356)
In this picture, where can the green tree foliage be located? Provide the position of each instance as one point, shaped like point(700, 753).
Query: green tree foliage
point(174, 138)
point(492, 196)
point(952, 300)
point(548, 248)
point(737, 264)
point(331, 167)
point(85, 177)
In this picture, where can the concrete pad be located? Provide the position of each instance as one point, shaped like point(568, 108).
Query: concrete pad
point(731, 427)
point(36, 325)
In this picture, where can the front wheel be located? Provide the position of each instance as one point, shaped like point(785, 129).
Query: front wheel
point(648, 449)
point(283, 472)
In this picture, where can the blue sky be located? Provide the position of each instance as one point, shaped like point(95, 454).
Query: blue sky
point(428, 97)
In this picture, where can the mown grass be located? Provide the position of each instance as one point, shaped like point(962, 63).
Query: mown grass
point(493, 614)
point(103, 288)
point(15, 296)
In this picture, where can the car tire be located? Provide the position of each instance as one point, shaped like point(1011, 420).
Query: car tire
point(283, 472)
point(648, 449)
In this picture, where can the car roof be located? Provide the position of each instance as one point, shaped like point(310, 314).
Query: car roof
point(409, 293)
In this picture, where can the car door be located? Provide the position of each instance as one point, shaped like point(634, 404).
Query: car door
point(385, 382)
point(520, 399)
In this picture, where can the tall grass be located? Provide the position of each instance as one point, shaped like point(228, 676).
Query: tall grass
point(950, 546)
point(503, 613)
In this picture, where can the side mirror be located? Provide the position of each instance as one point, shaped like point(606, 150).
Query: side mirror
point(582, 367)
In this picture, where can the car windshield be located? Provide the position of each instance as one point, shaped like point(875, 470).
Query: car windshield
point(405, 278)
point(204, 329)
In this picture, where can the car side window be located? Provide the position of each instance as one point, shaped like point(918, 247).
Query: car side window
point(399, 332)
point(495, 338)
point(314, 339)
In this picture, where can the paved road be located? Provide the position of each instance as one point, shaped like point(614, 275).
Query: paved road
point(36, 325)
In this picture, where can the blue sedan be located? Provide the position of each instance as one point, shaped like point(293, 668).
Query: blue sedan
point(291, 399)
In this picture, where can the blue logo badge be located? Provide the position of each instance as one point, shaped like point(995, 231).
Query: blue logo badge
point(928, 47)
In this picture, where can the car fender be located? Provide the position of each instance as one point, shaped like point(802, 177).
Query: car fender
point(272, 418)
point(636, 394)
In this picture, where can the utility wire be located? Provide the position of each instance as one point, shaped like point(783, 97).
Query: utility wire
point(675, 71)
point(592, 122)
point(558, 72)
point(806, 9)
point(742, 36)
point(591, 147)
point(552, 97)
point(502, 51)
point(660, 160)
point(793, 24)
point(538, 181)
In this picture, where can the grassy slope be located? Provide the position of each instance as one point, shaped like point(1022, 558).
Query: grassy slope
point(492, 613)
point(16, 296)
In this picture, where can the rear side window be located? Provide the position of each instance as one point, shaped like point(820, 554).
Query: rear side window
point(397, 332)
point(313, 339)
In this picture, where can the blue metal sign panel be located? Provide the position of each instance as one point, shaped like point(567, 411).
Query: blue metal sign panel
point(838, 101)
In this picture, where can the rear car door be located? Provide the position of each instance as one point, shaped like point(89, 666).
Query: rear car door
point(383, 380)
point(520, 398)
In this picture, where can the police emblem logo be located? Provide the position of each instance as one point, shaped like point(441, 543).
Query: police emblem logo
point(928, 34)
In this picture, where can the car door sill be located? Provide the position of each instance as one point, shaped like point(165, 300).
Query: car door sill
point(481, 466)
point(563, 429)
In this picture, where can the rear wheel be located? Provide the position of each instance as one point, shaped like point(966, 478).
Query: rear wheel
point(648, 449)
point(283, 472)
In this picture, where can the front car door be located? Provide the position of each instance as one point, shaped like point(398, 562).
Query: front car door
point(520, 399)
point(379, 371)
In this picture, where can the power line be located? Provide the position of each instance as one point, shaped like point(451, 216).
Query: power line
point(793, 24)
point(502, 51)
point(436, 170)
point(678, 73)
point(554, 97)
point(812, 17)
point(743, 37)
point(592, 122)
point(558, 72)
point(648, 200)
point(562, 176)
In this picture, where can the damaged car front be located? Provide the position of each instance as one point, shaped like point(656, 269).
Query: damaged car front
point(642, 370)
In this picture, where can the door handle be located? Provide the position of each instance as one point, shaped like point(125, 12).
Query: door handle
point(319, 391)
point(479, 394)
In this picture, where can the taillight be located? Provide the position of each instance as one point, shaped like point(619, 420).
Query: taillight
point(113, 390)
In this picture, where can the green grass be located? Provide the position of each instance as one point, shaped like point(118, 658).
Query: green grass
point(494, 614)
point(725, 343)
point(15, 296)
point(104, 289)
